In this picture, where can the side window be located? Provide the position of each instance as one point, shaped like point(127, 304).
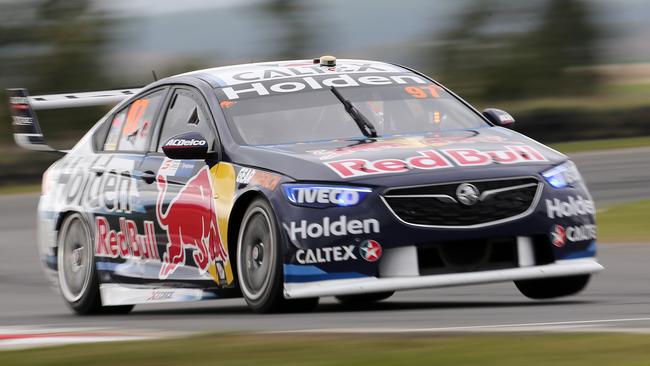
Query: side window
point(114, 132)
point(186, 113)
point(131, 127)
point(138, 122)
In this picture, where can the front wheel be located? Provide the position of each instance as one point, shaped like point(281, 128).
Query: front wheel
point(259, 263)
point(78, 279)
point(549, 288)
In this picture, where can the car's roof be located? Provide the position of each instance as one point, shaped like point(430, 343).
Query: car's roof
point(247, 73)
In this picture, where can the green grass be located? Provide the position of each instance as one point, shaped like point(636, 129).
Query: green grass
point(610, 96)
point(358, 350)
point(624, 223)
point(20, 188)
point(605, 144)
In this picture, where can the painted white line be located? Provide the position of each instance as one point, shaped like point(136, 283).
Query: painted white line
point(546, 326)
point(52, 341)
point(30, 336)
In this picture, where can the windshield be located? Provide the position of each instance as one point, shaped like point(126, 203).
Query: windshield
point(305, 116)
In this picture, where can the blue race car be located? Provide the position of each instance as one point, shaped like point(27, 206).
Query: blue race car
point(283, 182)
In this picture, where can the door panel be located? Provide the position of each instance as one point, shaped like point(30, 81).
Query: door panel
point(180, 200)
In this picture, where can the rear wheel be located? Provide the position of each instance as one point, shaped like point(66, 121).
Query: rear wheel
point(363, 299)
point(76, 269)
point(549, 288)
point(259, 263)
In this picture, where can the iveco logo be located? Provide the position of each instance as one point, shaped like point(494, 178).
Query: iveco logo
point(467, 194)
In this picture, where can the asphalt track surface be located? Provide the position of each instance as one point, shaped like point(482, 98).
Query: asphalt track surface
point(617, 299)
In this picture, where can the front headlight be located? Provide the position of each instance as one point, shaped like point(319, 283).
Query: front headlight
point(319, 196)
point(563, 175)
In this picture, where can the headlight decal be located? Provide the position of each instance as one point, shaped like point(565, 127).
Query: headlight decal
point(563, 175)
point(310, 195)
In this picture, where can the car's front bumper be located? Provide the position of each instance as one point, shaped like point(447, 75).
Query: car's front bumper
point(351, 286)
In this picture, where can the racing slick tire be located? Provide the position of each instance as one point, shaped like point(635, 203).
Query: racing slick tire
point(78, 279)
point(363, 299)
point(552, 287)
point(259, 263)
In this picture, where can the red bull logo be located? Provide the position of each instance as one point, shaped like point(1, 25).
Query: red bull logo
point(191, 223)
point(405, 143)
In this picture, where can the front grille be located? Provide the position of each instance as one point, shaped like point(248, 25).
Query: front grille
point(438, 205)
point(467, 256)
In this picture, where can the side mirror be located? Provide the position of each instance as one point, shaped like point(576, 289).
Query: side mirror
point(499, 117)
point(191, 145)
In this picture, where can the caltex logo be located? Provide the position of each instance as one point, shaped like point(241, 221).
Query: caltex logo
point(558, 236)
point(370, 250)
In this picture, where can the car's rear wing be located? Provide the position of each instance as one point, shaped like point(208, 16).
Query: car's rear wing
point(27, 131)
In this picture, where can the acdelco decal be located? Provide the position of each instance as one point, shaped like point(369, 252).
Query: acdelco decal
point(185, 142)
point(328, 228)
point(126, 242)
point(190, 222)
point(433, 159)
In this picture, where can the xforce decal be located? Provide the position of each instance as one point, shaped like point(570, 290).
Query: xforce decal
point(190, 222)
point(433, 159)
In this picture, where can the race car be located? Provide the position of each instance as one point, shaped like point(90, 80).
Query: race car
point(288, 181)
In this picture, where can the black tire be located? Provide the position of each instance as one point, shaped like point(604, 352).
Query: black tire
point(75, 253)
point(363, 299)
point(553, 287)
point(259, 263)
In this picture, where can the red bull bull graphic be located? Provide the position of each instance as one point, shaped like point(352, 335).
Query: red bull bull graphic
point(191, 223)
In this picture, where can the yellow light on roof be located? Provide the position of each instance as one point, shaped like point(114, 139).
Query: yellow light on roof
point(327, 60)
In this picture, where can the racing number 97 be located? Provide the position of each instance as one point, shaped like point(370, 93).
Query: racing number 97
point(429, 91)
point(133, 118)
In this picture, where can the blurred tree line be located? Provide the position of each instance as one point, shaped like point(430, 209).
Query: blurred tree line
point(52, 46)
point(542, 60)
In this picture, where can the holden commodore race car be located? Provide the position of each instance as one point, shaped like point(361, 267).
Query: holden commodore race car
point(284, 182)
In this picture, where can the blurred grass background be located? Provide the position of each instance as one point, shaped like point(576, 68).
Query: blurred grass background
point(378, 350)
point(569, 70)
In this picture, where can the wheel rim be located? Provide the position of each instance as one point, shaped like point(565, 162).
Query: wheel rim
point(255, 253)
point(74, 258)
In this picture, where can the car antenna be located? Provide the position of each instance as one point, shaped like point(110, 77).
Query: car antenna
point(155, 77)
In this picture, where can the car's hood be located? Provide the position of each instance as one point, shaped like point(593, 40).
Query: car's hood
point(482, 153)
